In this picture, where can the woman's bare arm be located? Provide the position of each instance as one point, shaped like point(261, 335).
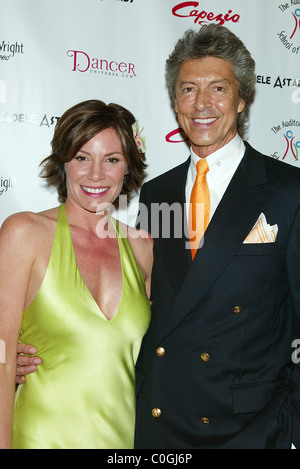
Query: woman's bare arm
point(17, 255)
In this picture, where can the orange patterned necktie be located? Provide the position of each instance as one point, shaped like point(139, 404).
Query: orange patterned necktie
point(197, 213)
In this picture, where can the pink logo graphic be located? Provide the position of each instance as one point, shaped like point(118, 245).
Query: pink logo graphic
point(184, 10)
point(179, 131)
point(296, 16)
point(82, 62)
point(290, 145)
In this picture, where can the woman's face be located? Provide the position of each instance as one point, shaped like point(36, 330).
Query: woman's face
point(95, 175)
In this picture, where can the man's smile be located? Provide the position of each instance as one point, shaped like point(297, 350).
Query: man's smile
point(204, 120)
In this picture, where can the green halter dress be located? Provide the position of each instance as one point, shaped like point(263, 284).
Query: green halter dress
point(83, 394)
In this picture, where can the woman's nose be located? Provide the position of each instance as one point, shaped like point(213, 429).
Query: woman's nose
point(96, 172)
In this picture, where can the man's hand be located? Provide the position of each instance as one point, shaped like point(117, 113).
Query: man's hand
point(25, 364)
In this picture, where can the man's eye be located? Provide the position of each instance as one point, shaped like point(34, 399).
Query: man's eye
point(220, 89)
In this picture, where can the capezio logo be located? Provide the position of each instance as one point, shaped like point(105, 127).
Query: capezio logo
point(290, 37)
point(185, 10)
point(82, 62)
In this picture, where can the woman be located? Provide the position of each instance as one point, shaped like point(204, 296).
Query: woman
point(77, 288)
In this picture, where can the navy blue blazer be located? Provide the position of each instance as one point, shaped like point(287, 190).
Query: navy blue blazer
point(215, 368)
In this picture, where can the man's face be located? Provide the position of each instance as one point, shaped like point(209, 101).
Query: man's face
point(207, 103)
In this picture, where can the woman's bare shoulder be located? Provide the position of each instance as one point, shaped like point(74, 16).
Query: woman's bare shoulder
point(28, 225)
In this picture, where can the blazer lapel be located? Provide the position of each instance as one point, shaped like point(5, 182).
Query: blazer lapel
point(243, 201)
point(172, 247)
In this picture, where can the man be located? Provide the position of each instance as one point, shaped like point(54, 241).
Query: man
point(215, 369)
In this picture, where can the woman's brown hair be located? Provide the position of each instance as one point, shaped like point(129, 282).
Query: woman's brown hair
point(77, 126)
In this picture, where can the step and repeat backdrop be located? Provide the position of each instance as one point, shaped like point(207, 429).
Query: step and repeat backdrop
point(54, 54)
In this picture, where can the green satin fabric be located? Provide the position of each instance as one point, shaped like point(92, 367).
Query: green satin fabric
point(83, 395)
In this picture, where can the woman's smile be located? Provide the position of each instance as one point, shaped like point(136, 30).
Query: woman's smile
point(94, 191)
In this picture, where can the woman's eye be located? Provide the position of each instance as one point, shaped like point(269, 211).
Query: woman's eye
point(112, 160)
point(80, 158)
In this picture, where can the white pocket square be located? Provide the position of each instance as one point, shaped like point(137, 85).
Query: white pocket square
point(262, 232)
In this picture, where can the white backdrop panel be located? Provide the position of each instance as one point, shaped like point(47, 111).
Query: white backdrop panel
point(55, 54)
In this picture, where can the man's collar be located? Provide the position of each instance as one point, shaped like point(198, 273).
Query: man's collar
point(223, 162)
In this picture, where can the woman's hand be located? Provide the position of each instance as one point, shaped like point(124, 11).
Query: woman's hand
point(26, 364)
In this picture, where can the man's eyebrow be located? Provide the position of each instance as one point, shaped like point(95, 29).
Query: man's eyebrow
point(213, 81)
point(221, 80)
point(186, 83)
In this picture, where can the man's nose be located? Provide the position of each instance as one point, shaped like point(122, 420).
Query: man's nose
point(202, 100)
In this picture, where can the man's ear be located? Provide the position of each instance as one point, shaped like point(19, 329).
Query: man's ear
point(175, 106)
point(241, 106)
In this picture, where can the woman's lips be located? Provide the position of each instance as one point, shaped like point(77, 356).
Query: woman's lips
point(94, 191)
